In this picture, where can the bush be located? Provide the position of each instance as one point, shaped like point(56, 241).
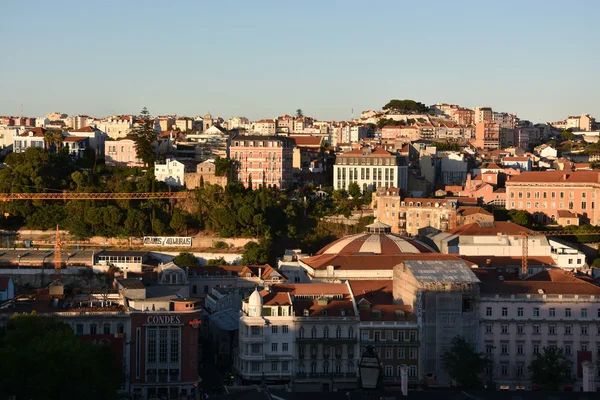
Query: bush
point(219, 245)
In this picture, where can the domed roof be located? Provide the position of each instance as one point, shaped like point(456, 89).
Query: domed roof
point(377, 240)
point(255, 299)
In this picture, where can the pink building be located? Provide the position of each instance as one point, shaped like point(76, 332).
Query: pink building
point(121, 152)
point(263, 160)
point(544, 194)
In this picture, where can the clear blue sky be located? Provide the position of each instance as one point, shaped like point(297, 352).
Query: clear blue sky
point(539, 58)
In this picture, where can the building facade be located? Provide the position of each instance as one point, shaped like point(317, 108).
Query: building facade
point(121, 152)
point(263, 160)
point(172, 172)
point(370, 169)
point(487, 135)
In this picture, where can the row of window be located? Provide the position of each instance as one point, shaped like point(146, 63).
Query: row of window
point(94, 329)
point(537, 330)
point(536, 195)
point(400, 353)
point(366, 161)
point(379, 174)
point(284, 347)
point(390, 335)
point(544, 205)
point(261, 143)
point(389, 371)
point(536, 311)
point(314, 351)
point(536, 348)
point(269, 156)
point(313, 333)
point(275, 329)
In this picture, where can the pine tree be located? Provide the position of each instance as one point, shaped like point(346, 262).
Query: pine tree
point(144, 136)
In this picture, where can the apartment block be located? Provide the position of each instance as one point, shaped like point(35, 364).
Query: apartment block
point(487, 135)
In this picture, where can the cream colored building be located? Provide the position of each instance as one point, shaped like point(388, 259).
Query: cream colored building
point(483, 114)
point(205, 171)
point(413, 216)
point(265, 127)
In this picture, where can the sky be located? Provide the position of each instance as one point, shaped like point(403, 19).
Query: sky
point(260, 59)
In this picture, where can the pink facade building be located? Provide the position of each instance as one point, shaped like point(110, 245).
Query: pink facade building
point(121, 152)
point(544, 194)
point(263, 160)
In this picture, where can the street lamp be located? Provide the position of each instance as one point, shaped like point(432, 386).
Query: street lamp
point(369, 369)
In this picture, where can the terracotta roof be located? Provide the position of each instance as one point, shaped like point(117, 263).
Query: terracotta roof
point(489, 229)
point(369, 261)
point(375, 291)
point(490, 165)
point(546, 282)
point(502, 262)
point(306, 140)
point(85, 129)
point(74, 138)
point(466, 211)
point(37, 132)
point(306, 297)
point(515, 159)
point(377, 243)
point(566, 214)
point(556, 176)
point(375, 153)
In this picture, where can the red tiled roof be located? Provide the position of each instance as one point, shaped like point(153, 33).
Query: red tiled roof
point(500, 262)
point(466, 211)
point(556, 176)
point(515, 159)
point(74, 138)
point(85, 129)
point(377, 152)
point(489, 229)
point(37, 132)
point(369, 261)
point(546, 282)
point(306, 140)
point(566, 214)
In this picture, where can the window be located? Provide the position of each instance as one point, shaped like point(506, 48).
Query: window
point(106, 329)
point(377, 336)
point(351, 333)
point(284, 329)
point(536, 348)
point(313, 368)
point(568, 312)
point(584, 329)
point(504, 369)
point(488, 312)
point(504, 348)
point(584, 347)
point(552, 329)
point(174, 345)
point(413, 336)
point(504, 311)
point(389, 371)
point(536, 329)
point(274, 365)
point(520, 312)
point(79, 329)
point(163, 344)
point(489, 348)
point(301, 333)
point(520, 329)
point(584, 313)
point(389, 353)
point(412, 353)
point(93, 329)
point(255, 348)
point(255, 330)
point(552, 312)
point(567, 329)
point(326, 332)
point(488, 328)
point(285, 366)
point(284, 347)
point(520, 370)
point(504, 328)
point(400, 355)
point(313, 333)
point(412, 371)
point(519, 348)
point(338, 333)
point(568, 349)
point(536, 312)
point(274, 329)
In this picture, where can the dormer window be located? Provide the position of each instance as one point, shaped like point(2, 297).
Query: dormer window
point(324, 312)
point(306, 313)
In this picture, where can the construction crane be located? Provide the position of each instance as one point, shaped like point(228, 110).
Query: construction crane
point(57, 257)
point(94, 196)
point(525, 243)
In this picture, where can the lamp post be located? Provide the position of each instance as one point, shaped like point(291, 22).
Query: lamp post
point(369, 369)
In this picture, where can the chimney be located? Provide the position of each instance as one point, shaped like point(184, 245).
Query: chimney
point(125, 273)
point(404, 380)
point(260, 273)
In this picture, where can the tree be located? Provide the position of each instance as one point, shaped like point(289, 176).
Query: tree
point(406, 107)
point(567, 135)
point(216, 262)
point(257, 253)
point(144, 137)
point(179, 221)
point(550, 368)
point(464, 364)
point(186, 260)
point(299, 113)
point(223, 166)
point(135, 223)
point(521, 217)
point(43, 359)
point(354, 190)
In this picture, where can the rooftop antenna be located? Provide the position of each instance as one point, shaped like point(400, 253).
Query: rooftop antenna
point(352, 114)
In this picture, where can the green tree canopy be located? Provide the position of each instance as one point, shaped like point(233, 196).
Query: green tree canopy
point(567, 135)
point(354, 190)
point(521, 217)
point(43, 359)
point(299, 113)
point(550, 368)
point(406, 107)
point(257, 253)
point(464, 364)
point(223, 166)
point(216, 262)
point(186, 260)
point(144, 137)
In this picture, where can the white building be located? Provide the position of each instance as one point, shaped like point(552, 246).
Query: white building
point(453, 168)
point(305, 331)
point(97, 138)
point(370, 169)
point(352, 133)
point(172, 172)
point(546, 151)
point(497, 241)
point(116, 127)
point(32, 138)
point(265, 127)
point(518, 318)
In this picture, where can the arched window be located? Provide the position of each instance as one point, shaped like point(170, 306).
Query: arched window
point(351, 333)
point(313, 368)
point(301, 351)
point(338, 351)
point(260, 154)
point(313, 350)
point(260, 165)
point(313, 333)
point(410, 204)
point(338, 368)
point(326, 332)
point(418, 204)
point(326, 367)
point(250, 155)
point(301, 368)
point(338, 332)
point(301, 333)
point(350, 366)
point(412, 371)
point(389, 371)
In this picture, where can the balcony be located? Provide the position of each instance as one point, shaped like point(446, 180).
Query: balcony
point(326, 340)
